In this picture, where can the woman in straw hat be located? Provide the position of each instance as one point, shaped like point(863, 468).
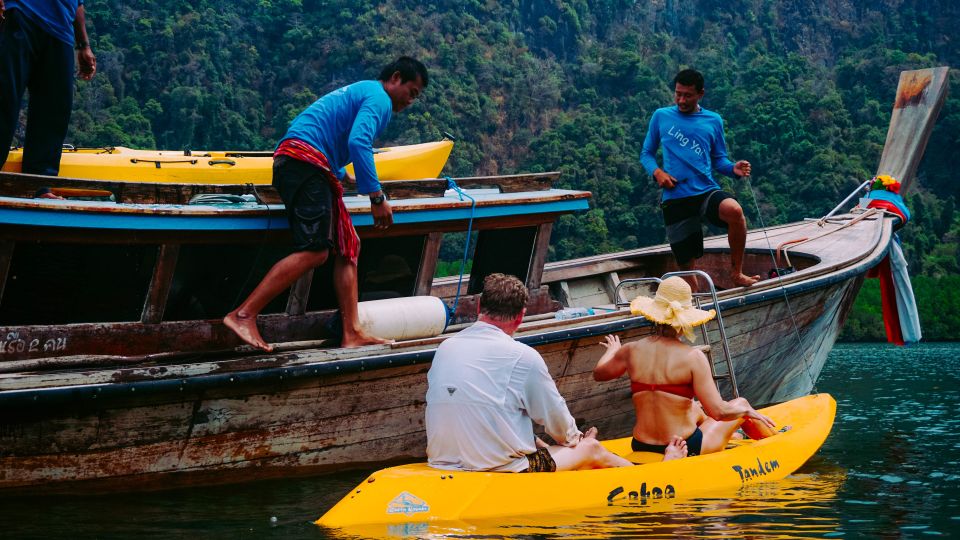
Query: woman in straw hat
point(666, 375)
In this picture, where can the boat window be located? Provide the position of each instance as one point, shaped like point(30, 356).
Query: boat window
point(51, 283)
point(507, 251)
point(451, 254)
point(211, 280)
point(387, 268)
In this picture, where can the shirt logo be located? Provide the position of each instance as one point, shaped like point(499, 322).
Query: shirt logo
point(407, 504)
point(675, 132)
point(451, 389)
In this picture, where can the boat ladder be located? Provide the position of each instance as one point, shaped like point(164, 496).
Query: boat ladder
point(722, 370)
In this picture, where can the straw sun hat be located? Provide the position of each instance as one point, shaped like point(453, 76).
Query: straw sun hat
point(673, 305)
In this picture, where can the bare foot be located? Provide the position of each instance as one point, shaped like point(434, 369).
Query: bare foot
point(246, 329)
point(361, 338)
point(677, 449)
point(743, 280)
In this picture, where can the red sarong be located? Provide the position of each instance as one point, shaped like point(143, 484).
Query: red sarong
point(348, 243)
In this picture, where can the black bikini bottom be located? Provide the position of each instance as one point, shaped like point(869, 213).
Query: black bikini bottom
point(694, 443)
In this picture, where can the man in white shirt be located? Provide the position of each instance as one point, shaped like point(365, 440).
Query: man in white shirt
point(486, 390)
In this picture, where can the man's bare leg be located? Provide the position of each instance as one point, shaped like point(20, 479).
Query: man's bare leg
point(692, 279)
point(732, 214)
point(345, 284)
point(243, 320)
point(587, 454)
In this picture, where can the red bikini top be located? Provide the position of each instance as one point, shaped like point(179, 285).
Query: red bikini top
point(682, 390)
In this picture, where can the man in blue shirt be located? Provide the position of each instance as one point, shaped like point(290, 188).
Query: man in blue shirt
point(309, 162)
point(693, 146)
point(37, 40)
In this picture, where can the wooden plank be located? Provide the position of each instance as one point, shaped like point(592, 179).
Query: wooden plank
point(920, 96)
point(428, 264)
point(515, 183)
point(300, 294)
point(610, 282)
point(406, 189)
point(160, 283)
point(538, 257)
point(6, 255)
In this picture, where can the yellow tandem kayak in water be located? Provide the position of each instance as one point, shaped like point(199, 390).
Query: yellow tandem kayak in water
point(118, 163)
point(418, 493)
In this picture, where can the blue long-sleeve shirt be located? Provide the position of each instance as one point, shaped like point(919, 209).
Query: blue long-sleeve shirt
point(343, 125)
point(693, 146)
point(55, 17)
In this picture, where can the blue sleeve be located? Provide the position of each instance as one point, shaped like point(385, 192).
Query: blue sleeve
point(718, 154)
point(371, 119)
point(648, 156)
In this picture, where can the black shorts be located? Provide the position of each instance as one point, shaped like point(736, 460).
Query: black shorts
point(684, 220)
point(541, 461)
point(305, 190)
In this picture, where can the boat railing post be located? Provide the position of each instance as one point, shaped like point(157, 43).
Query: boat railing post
point(843, 203)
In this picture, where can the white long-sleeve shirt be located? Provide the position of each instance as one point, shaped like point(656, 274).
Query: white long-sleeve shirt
point(485, 391)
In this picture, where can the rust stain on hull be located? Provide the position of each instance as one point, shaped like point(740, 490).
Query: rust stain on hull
point(913, 89)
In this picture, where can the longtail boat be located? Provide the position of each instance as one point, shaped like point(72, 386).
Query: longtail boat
point(119, 163)
point(117, 373)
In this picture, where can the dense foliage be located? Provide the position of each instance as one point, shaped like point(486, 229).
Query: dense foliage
point(805, 89)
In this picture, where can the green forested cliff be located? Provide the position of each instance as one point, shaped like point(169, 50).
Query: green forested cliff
point(805, 88)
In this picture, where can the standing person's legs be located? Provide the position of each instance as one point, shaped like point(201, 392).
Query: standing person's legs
point(309, 203)
point(15, 65)
point(685, 233)
point(731, 213)
point(345, 285)
point(243, 320)
point(48, 112)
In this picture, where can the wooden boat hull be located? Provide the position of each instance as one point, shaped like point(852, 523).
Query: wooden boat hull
point(415, 161)
point(228, 418)
point(418, 493)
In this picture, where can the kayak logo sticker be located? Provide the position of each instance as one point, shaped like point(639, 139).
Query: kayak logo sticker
point(640, 496)
point(408, 504)
point(750, 472)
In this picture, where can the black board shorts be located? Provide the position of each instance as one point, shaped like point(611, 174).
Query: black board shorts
point(540, 461)
point(305, 191)
point(684, 217)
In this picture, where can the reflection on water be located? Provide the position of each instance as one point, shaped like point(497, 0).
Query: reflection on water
point(890, 468)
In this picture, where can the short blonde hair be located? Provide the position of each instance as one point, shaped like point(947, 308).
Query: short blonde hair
point(503, 297)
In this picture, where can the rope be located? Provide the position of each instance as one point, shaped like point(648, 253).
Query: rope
point(786, 298)
point(466, 244)
point(800, 241)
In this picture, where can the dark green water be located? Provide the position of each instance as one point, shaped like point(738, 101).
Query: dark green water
point(890, 469)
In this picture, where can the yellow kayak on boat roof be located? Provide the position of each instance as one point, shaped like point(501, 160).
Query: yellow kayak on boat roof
point(417, 493)
point(117, 163)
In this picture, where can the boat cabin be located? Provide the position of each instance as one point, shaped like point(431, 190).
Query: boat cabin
point(134, 269)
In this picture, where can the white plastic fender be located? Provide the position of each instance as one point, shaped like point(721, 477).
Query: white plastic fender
point(413, 317)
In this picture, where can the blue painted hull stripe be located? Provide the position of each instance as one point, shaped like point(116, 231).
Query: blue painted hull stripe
point(89, 220)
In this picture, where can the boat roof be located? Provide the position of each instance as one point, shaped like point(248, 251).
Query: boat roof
point(451, 206)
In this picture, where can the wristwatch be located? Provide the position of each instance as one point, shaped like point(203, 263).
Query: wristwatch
point(378, 199)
